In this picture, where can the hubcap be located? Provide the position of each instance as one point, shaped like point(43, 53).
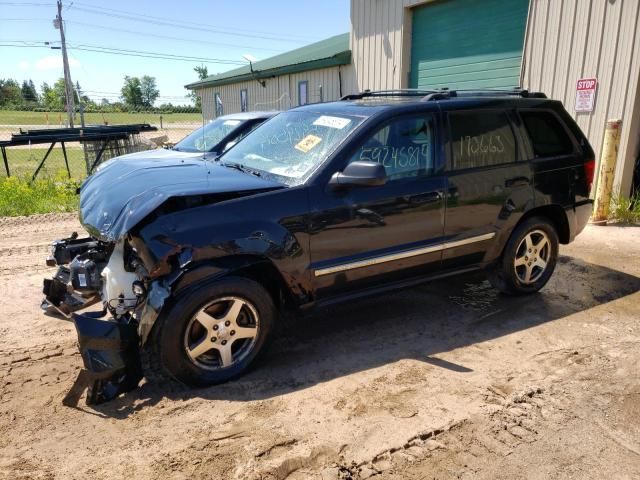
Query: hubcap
point(532, 256)
point(222, 333)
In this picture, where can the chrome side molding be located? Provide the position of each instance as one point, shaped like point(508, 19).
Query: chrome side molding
point(400, 255)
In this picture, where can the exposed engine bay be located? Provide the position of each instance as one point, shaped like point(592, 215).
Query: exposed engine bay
point(109, 274)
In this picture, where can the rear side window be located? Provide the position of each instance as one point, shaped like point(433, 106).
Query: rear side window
point(548, 137)
point(481, 139)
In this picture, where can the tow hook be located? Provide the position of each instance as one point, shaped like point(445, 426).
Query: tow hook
point(111, 358)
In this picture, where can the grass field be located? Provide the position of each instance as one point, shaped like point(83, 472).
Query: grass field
point(11, 117)
point(24, 161)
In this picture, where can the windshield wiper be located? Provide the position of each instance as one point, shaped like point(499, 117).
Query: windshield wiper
point(241, 168)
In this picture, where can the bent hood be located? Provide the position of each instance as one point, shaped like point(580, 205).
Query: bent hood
point(128, 188)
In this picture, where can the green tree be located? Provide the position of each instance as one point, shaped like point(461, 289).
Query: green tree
point(28, 92)
point(53, 98)
point(150, 90)
point(132, 92)
point(10, 93)
point(203, 72)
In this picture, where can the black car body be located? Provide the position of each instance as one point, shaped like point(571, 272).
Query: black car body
point(389, 189)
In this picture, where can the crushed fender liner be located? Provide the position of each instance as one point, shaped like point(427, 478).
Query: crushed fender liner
point(110, 354)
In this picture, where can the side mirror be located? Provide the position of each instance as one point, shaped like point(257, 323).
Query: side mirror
point(362, 174)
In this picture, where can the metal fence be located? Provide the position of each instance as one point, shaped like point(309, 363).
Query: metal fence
point(23, 160)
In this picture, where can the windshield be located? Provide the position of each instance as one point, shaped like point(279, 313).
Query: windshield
point(207, 138)
point(291, 146)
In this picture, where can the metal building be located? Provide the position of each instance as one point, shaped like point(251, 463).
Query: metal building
point(543, 45)
point(314, 73)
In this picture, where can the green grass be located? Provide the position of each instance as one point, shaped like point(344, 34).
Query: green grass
point(24, 161)
point(625, 210)
point(20, 196)
point(11, 117)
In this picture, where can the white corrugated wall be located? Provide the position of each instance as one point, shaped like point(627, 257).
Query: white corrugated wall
point(566, 40)
point(381, 42)
point(280, 93)
point(572, 39)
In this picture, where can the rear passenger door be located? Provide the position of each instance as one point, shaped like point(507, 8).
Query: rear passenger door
point(556, 164)
point(488, 185)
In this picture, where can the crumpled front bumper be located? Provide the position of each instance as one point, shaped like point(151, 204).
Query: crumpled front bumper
point(110, 352)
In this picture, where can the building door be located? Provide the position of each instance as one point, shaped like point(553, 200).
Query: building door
point(467, 44)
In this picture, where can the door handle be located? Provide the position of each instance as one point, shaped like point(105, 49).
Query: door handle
point(425, 198)
point(516, 182)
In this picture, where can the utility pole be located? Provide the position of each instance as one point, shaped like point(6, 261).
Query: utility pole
point(80, 104)
point(68, 86)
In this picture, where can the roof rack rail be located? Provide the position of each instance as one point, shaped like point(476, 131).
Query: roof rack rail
point(486, 92)
point(399, 92)
point(442, 93)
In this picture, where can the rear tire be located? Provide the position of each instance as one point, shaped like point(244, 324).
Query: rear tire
point(210, 334)
point(528, 259)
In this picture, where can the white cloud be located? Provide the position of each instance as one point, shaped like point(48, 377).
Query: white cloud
point(24, 65)
point(54, 62)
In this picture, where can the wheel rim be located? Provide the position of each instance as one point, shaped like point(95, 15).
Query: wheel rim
point(222, 333)
point(532, 257)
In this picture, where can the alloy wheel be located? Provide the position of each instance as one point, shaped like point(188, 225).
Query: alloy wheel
point(532, 256)
point(222, 333)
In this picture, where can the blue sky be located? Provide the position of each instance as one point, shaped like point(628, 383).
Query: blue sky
point(215, 29)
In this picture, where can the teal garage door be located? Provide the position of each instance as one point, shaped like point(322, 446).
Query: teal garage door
point(463, 44)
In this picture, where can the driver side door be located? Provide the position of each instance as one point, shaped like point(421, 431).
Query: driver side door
point(367, 236)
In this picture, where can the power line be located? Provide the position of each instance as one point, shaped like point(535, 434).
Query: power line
point(27, 4)
point(188, 26)
point(26, 19)
point(126, 52)
point(193, 40)
point(144, 54)
point(145, 18)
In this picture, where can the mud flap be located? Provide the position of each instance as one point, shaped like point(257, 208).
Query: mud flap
point(110, 353)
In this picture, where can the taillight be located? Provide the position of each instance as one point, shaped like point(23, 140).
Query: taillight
point(589, 172)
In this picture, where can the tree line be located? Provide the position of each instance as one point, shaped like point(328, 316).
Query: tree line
point(137, 94)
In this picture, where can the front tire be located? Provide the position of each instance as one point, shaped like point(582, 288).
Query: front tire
point(528, 259)
point(212, 333)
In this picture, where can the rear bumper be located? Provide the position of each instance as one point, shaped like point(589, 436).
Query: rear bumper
point(578, 217)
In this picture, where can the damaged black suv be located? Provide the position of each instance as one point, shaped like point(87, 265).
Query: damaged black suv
point(193, 261)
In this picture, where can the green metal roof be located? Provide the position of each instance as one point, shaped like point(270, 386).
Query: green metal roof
point(326, 53)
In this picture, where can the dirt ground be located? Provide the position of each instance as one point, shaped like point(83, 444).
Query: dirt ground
point(447, 380)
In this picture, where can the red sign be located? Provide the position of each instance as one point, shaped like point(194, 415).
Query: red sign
point(586, 94)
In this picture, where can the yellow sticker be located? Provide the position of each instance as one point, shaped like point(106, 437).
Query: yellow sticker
point(307, 143)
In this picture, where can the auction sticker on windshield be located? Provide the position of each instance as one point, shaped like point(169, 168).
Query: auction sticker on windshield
point(231, 123)
point(332, 122)
point(307, 143)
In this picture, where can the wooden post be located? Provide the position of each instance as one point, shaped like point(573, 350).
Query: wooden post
point(608, 161)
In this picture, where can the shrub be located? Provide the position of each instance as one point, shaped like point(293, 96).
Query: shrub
point(20, 196)
point(625, 210)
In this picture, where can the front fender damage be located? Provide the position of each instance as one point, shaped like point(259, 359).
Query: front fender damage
point(158, 294)
point(110, 350)
point(110, 353)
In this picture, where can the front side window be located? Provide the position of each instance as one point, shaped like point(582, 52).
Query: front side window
point(292, 145)
point(481, 139)
point(548, 137)
point(206, 138)
point(303, 93)
point(404, 147)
